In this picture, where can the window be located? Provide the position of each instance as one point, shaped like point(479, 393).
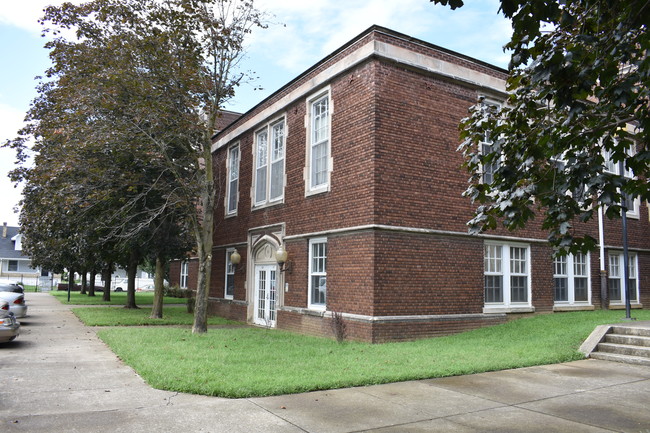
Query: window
point(617, 277)
point(184, 274)
point(269, 163)
point(229, 291)
point(318, 273)
point(233, 180)
point(318, 149)
point(507, 275)
point(571, 276)
point(489, 168)
point(12, 266)
point(632, 204)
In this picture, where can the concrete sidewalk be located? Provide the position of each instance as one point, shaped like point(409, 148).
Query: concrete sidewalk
point(59, 377)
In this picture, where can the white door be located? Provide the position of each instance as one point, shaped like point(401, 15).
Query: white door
point(265, 295)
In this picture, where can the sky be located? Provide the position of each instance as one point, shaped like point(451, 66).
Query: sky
point(301, 33)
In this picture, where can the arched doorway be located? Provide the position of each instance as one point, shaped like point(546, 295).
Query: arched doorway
point(266, 280)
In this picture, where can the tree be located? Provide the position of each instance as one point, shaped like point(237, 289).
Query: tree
point(166, 69)
point(576, 123)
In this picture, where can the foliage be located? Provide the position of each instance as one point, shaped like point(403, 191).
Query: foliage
point(177, 292)
point(578, 106)
point(123, 132)
point(246, 362)
point(111, 316)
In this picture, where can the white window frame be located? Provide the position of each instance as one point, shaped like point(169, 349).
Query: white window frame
point(313, 141)
point(507, 266)
point(317, 273)
point(13, 262)
point(495, 164)
point(185, 272)
point(615, 271)
point(263, 175)
point(233, 163)
point(229, 271)
point(571, 272)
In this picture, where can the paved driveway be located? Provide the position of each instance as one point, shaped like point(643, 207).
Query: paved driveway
point(59, 377)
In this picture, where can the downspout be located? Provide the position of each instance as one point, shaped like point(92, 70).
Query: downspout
point(604, 301)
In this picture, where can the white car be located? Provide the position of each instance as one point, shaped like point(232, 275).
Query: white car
point(13, 294)
point(9, 327)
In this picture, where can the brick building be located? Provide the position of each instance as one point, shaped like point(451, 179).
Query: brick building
point(352, 168)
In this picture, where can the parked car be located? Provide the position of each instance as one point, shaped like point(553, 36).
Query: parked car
point(13, 294)
point(9, 327)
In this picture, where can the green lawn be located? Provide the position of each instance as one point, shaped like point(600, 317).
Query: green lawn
point(117, 298)
point(115, 316)
point(247, 362)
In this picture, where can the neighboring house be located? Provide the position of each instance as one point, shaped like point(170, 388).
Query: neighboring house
point(352, 168)
point(13, 264)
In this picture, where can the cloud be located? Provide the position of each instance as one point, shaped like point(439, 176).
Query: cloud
point(23, 14)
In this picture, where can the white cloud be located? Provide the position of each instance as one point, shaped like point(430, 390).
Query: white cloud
point(23, 14)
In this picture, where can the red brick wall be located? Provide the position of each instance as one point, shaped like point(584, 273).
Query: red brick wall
point(394, 143)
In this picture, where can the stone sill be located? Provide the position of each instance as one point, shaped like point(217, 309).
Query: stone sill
point(560, 308)
point(508, 310)
point(622, 306)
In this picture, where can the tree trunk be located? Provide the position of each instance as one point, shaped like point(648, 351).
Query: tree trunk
point(70, 282)
point(157, 310)
point(91, 288)
point(84, 281)
point(107, 272)
point(132, 270)
point(204, 237)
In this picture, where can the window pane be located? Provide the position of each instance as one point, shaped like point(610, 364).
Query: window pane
point(277, 179)
point(561, 289)
point(493, 258)
point(580, 287)
point(518, 260)
point(318, 289)
point(615, 289)
point(261, 167)
point(260, 185)
point(580, 265)
point(493, 288)
point(559, 265)
point(519, 289)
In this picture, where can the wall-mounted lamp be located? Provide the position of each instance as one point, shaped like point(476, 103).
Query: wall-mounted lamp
point(281, 256)
point(235, 259)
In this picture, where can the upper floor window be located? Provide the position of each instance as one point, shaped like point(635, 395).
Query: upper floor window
point(571, 276)
point(318, 273)
point(319, 146)
point(631, 204)
point(233, 180)
point(184, 274)
point(269, 163)
point(489, 168)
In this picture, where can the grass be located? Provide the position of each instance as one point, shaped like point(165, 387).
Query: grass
point(117, 298)
point(248, 362)
point(110, 316)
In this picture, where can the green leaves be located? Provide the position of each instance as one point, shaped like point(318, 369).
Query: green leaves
point(579, 104)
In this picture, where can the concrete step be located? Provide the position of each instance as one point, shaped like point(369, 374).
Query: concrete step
point(637, 360)
point(631, 340)
point(630, 330)
point(624, 349)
